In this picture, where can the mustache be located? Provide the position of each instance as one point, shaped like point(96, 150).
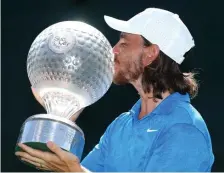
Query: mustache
point(116, 59)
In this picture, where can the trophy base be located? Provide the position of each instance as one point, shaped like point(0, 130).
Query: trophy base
point(35, 145)
point(39, 129)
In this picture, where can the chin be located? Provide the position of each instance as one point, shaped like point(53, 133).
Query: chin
point(120, 81)
point(119, 78)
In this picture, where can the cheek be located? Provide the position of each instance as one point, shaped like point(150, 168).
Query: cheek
point(125, 57)
point(125, 60)
point(124, 64)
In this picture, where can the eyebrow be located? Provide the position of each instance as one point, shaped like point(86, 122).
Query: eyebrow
point(123, 35)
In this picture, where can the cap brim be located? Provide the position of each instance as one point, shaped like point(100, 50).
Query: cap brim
point(119, 25)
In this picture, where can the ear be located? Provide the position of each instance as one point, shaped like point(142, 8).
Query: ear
point(151, 53)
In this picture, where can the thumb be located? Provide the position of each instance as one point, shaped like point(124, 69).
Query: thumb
point(56, 149)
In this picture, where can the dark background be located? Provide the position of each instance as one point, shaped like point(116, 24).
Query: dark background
point(23, 20)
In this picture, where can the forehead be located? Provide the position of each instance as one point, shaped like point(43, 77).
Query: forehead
point(131, 37)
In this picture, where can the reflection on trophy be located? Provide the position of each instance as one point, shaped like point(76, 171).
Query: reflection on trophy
point(70, 65)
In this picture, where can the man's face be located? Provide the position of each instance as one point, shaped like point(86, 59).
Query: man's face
point(128, 58)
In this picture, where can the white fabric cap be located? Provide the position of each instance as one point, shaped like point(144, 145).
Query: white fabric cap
point(160, 27)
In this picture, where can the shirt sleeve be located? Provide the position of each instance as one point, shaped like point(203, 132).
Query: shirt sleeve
point(94, 161)
point(182, 148)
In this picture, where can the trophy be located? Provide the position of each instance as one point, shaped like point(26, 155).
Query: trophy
point(70, 66)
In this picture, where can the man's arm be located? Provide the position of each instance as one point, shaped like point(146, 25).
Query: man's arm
point(94, 161)
point(182, 148)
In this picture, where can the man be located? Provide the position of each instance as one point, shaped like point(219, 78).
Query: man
point(163, 131)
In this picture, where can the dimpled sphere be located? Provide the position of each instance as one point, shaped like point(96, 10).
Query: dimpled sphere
point(71, 60)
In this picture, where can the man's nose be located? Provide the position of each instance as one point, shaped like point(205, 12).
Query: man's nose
point(115, 50)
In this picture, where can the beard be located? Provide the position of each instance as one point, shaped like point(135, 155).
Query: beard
point(130, 72)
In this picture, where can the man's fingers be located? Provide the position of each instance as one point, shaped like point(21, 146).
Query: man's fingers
point(37, 165)
point(63, 155)
point(29, 157)
point(32, 152)
point(57, 150)
point(45, 156)
point(30, 161)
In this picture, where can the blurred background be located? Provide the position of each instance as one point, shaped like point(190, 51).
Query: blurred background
point(23, 20)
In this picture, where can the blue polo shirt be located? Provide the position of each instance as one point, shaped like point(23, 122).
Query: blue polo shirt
point(173, 137)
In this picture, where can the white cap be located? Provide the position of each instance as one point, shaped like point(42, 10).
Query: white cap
point(160, 27)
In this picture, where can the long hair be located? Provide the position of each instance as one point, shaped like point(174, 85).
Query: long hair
point(164, 74)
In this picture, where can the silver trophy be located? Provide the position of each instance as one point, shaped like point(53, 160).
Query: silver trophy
point(70, 65)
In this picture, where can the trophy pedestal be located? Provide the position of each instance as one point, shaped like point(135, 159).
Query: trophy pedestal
point(37, 130)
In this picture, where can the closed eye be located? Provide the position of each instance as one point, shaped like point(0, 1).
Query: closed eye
point(123, 44)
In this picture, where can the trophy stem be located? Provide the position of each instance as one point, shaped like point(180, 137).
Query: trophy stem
point(61, 104)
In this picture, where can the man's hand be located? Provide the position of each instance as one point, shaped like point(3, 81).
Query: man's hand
point(58, 161)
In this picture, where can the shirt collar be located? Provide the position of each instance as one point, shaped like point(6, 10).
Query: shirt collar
point(165, 106)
